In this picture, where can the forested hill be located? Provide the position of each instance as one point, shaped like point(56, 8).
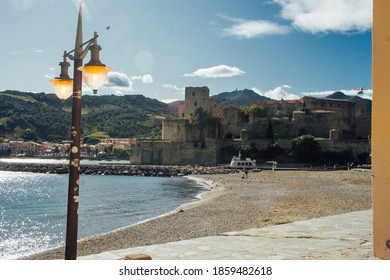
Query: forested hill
point(40, 116)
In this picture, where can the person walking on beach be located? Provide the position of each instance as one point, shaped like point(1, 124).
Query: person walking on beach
point(244, 174)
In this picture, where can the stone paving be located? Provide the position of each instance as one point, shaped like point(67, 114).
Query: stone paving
point(340, 237)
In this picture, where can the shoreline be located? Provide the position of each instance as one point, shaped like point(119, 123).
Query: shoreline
point(197, 199)
point(205, 187)
point(233, 204)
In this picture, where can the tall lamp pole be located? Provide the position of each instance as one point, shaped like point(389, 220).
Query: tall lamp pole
point(95, 75)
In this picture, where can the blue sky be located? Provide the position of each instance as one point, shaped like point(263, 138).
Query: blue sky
point(279, 48)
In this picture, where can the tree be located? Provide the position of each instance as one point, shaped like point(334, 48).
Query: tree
point(278, 114)
point(305, 148)
point(304, 108)
point(29, 135)
point(255, 111)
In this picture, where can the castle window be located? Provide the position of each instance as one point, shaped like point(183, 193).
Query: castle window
point(193, 93)
point(182, 115)
point(196, 103)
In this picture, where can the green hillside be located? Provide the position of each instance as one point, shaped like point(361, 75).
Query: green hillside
point(40, 116)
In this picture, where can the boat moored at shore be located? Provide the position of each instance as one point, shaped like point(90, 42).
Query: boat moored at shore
point(237, 162)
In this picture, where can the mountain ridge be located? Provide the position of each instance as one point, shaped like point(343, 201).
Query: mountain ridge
point(243, 97)
point(43, 117)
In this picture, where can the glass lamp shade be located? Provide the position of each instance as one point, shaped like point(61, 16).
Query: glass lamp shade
point(95, 76)
point(63, 88)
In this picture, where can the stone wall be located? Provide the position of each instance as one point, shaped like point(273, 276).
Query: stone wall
point(232, 122)
point(363, 127)
point(286, 107)
point(318, 123)
point(173, 153)
point(219, 151)
point(174, 130)
point(357, 147)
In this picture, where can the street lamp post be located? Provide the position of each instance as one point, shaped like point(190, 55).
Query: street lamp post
point(95, 75)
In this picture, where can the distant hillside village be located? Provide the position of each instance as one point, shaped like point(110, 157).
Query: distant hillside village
point(204, 133)
point(109, 147)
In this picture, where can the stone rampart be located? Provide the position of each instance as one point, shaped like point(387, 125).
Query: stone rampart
point(356, 147)
point(171, 152)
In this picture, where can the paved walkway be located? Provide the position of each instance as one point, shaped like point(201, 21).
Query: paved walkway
point(340, 237)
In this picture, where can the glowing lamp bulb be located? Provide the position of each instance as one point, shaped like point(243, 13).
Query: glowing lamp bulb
point(63, 88)
point(95, 76)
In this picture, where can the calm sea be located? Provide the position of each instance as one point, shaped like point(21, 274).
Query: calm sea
point(33, 206)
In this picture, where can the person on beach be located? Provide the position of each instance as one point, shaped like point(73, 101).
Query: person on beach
point(244, 174)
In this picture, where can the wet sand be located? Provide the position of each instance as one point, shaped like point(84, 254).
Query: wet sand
point(264, 198)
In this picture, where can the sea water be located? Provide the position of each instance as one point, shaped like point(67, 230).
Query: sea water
point(33, 206)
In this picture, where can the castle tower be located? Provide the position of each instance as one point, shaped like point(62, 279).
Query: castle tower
point(195, 97)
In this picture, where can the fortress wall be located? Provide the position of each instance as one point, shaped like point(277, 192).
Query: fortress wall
point(173, 153)
point(178, 130)
point(319, 123)
point(158, 152)
point(357, 147)
point(173, 129)
point(231, 122)
point(363, 127)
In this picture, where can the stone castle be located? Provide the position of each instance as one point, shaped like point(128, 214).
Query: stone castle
point(343, 122)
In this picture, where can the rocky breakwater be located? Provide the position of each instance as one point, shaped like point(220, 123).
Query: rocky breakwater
point(120, 169)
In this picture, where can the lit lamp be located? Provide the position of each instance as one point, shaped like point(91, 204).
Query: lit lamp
point(63, 85)
point(95, 72)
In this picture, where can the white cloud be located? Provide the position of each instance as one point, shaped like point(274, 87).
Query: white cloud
point(174, 87)
point(321, 93)
point(319, 16)
point(246, 29)
point(119, 82)
point(278, 93)
point(220, 71)
point(49, 76)
point(146, 79)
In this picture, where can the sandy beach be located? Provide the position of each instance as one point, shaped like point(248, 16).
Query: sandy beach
point(233, 204)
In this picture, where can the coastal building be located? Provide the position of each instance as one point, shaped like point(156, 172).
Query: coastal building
point(26, 148)
point(109, 144)
point(227, 130)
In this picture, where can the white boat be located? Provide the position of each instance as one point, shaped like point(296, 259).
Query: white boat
point(237, 162)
